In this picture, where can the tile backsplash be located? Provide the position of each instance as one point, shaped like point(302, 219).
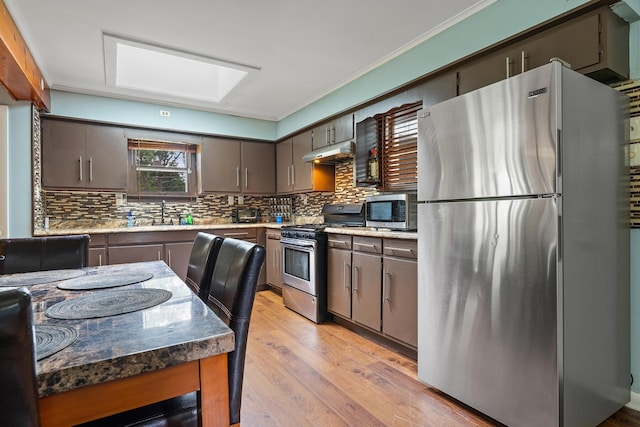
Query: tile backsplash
point(74, 209)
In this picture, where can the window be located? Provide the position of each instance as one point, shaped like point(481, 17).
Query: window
point(398, 146)
point(161, 168)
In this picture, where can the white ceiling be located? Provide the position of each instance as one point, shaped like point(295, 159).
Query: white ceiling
point(304, 48)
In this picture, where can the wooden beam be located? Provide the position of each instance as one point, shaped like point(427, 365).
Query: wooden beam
point(19, 73)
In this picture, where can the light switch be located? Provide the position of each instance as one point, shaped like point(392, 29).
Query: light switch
point(241, 199)
point(230, 200)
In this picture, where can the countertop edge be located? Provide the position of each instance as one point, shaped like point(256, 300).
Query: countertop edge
point(353, 231)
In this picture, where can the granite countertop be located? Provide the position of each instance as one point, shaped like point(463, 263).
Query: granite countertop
point(179, 330)
point(354, 231)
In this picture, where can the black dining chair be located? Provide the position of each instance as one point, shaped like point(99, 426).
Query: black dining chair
point(201, 261)
point(29, 254)
point(234, 283)
point(19, 402)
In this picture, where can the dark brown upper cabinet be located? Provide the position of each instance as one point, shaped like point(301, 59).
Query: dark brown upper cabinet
point(83, 156)
point(232, 166)
point(595, 44)
point(337, 130)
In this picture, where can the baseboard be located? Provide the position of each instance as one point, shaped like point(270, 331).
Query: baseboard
point(634, 403)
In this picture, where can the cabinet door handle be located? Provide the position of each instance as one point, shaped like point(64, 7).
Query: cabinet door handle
point(344, 274)
point(237, 176)
point(386, 283)
point(246, 177)
point(274, 260)
point(289, 176)
point(293, 175)
point(508, 67)
point(100, 260)
point(169, 257)
point(90, 168)
point(523, 62)
point(327, 136)
point(80, 163)
point(356, 279)
point(332, 135)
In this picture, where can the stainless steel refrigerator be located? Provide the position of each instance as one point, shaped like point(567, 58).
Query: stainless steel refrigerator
point(523, 249)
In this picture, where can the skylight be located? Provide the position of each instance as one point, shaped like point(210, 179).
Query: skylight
point(159, 70)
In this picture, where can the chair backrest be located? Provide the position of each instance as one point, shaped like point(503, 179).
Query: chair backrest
point(201, 261)
point(29, 254)
point(19, 403)
point(233, 289)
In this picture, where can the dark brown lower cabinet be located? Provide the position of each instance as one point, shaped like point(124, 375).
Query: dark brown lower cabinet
point(366, 289)
point(400, 300)
point(273, 260)
point(339, 275)
point(176, 255)
point(373, 282)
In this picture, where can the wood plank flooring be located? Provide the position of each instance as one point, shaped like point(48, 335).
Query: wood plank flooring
point(298, 373)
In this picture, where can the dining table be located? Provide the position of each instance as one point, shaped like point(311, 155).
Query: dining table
point(122, 361)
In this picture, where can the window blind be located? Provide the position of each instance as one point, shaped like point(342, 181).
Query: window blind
point(398, 138)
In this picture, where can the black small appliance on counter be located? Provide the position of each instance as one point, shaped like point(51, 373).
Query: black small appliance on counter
point(246, 215)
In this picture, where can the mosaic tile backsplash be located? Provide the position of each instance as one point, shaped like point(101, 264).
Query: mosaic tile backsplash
point(67, 209)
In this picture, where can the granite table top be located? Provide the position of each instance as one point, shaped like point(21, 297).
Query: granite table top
point(179, 330)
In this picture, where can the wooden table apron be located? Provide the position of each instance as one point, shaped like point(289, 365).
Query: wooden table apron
point(208, 374)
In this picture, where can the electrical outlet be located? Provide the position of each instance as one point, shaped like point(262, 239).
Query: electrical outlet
point(634, 154)
point(230, 199)
point(121, 199)
point(634, 127)
point(241, 199)
point(165, 113)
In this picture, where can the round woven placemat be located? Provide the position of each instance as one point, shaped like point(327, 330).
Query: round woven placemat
point(108, 303)
point(102, 281)
point(38, 277)
point(52, 338)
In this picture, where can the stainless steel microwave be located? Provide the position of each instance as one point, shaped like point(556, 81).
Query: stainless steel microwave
point(393, 211)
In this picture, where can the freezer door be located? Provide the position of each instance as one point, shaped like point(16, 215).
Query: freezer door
point(487, 299)
point(498, 141)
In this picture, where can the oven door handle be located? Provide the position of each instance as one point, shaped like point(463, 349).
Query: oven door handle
point(297, 243)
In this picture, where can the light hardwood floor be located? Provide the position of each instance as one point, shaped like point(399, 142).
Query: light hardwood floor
point(298, 373)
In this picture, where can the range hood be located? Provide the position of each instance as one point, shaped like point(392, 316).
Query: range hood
point(330, 153)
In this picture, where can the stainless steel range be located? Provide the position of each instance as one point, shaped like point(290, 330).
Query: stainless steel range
point(304, 261)
point(304, 270)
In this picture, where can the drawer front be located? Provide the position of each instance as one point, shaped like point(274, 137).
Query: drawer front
point(339, 241)
point(273, 234)
point(237, 233)
point(97, 240)
point(401, 248)
point(138, 237)
point(367, 244)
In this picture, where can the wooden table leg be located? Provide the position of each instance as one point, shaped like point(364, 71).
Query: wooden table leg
point(214, 391)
